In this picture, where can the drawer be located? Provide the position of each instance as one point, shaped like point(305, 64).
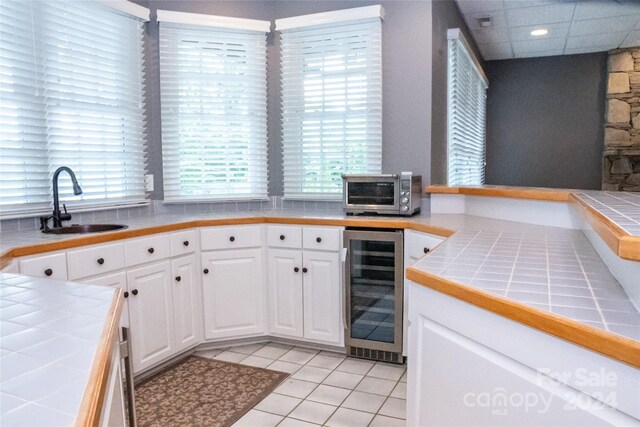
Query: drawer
point(147, 249)
point(321, 238)
point(416, 244)
point(284, 236)
point(184, 242)
point(95, 260)
point(52, 266)
point(246, 236)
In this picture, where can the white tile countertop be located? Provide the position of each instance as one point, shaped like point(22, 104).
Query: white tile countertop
point(50, 332)
point(548, 268)
point(621, 208)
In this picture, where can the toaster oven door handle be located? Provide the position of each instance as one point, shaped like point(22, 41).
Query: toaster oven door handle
point(382, 175)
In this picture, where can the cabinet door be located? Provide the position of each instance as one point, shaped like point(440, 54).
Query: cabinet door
point(323, 306)
point(185, 300)
point(116, 280)
point(232, 293)
point(285, 292)
point(151, 314)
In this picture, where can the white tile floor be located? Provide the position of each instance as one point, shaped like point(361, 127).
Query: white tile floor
point(324, 388)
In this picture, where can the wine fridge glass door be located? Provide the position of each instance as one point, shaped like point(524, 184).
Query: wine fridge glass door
point(374, 285)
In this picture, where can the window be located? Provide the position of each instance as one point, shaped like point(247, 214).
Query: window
point(70, 94)
point(467, 108)
point(331, 99)
point(214, 107)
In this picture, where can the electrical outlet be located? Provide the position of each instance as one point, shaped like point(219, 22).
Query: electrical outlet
point(148, 182)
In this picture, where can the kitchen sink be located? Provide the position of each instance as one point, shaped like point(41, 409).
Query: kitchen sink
point(84, 229)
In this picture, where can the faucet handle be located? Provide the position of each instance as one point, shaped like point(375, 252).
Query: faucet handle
point(65, 216)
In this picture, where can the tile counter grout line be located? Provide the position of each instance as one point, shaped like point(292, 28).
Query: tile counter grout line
point(513, 269)
point(593, 295)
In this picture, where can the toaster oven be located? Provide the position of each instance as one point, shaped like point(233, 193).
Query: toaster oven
point(385, 194)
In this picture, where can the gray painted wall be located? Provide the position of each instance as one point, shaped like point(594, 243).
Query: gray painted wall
point(545, 121)
point(445, 15)
point(406, 53)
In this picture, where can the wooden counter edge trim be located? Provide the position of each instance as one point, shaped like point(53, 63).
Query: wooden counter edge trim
point(530, 193)
point(94, 395)
point(70, 243)
point(617, 347)
point(621, 243)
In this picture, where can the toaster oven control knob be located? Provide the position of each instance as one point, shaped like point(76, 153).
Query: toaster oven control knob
point(404, 200)
point(404, 208)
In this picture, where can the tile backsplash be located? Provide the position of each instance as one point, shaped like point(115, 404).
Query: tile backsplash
point(158, 207)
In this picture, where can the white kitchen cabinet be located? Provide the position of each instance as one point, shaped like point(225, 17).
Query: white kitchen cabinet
point(323, 305)
point(306, 303)
point(151, 311)
point(232, 290)
point(416, 246)
point(185, 301)
point(498, 372)
point(49, 266)
point(284, 300)
point(113, 409)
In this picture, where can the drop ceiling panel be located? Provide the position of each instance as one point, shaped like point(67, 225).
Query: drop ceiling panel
point(574, 26)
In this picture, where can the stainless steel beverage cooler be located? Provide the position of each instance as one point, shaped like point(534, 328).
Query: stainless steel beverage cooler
point(374, 294)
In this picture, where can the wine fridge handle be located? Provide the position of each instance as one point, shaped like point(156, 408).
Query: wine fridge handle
point(343, 257)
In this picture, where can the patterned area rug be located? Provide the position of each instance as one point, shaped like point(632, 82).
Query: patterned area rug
point(202, 392)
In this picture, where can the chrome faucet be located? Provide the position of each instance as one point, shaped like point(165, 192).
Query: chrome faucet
point(58, 216)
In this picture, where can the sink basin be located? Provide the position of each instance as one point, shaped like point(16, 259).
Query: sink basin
point(83, 229)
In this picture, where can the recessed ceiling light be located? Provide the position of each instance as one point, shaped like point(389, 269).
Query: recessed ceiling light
point(540, 32)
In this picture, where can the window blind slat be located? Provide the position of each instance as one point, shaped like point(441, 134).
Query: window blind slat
point(70, 95)
point(331, 106)
point(467, 114)
point(214, 112)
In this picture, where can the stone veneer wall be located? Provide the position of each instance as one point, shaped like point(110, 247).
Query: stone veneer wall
point(622, 129)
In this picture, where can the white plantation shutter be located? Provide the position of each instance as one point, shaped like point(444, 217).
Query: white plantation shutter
point(214, 112)
point(467, 109)
point(71, 77)
point(331, 105)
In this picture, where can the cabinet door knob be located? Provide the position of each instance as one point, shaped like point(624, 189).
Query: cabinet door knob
point(100, 261)
point(296, 269)
point(135, 292)
point(232, 238)
point(304, 269)
point(425, 250)
point(282, 237)
point(178, 278)
point(126, 294)
point(318, 239)
point(151, 250)
point(205, 271)
point(186, 243)
point(48, 272)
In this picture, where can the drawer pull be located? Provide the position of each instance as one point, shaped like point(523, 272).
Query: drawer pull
point(126, 294)
point(186, 243)
point(282, 237)
point(232, 238)
point(296, 269)
point(318, 239)
point(205, 271)
point(178, 278)
point(100, 261)
point(151, 250)
point(48, 272)
point(304, 269)
point(135, 292)
point(425, 250)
